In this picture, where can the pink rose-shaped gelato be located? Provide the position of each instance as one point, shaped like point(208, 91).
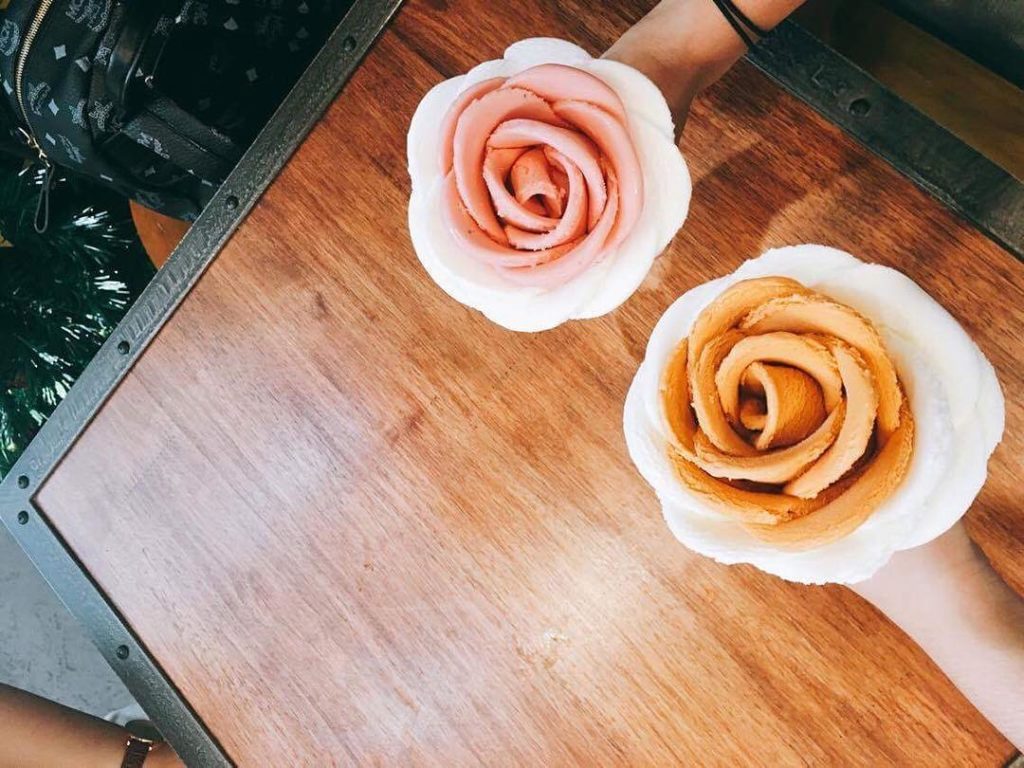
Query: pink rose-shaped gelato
point(544, 184)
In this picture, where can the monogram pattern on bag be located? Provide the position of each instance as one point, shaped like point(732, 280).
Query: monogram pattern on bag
point(99, 115)
point(38, 96)
point(152, 143)
point(95, 14)
point(10, 36)
point(72, 150)
point(102, 56)
point(270, 29)
point(78, 114)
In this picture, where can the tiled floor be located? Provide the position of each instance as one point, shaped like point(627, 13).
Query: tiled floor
point(42, 647)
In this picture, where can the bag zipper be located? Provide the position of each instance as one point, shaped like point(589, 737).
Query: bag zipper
point(42, 218)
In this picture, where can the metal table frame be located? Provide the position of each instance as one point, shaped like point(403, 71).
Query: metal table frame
point(929, 155)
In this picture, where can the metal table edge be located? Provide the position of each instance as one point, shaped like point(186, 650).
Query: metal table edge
point(928, 154)
point(56, 561)
point(932, 157)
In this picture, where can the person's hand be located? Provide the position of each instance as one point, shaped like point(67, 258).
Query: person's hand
point(948, 598)
point(682, 46)
point(943, 594)
point(685, 45)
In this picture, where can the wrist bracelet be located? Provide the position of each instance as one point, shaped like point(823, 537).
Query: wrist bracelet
point(738, 20)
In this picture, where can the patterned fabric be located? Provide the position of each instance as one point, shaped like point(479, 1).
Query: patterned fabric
point(224, 67)
point(234, 61)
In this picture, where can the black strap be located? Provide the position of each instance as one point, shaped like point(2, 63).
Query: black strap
point(120, 79)
point(155, 121)
point(743, 26)
point(41, 221)
point(174, 134)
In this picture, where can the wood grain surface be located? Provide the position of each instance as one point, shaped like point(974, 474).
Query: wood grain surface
point(159, 234)
point(358, 524)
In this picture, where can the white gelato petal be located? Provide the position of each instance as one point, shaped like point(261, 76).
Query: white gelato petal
point(425, 134)
point(810, 264)
point(990, 406)
point(487, 70)
point(535, 51)
point(953, 492)
point(641, 96)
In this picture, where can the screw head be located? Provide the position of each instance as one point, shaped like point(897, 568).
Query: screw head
point(860, 107)
point(22, 517)
point(349, 44)
point(231, 202)
point(22, 481)
point(124, 347)
point(122, 652)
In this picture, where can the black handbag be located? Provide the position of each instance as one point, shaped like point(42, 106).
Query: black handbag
point(155, 98)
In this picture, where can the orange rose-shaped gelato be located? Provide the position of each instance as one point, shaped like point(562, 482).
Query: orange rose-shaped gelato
point(811, 414)
point(796, 409)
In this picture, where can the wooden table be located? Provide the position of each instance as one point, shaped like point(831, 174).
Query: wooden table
point(355, 523)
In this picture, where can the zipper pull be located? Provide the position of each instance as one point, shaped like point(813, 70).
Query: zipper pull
point(42, 218)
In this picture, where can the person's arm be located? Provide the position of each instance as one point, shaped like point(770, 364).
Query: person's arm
point(36, 733)
point(952, 603)
point(686, 45)
point(944, 594)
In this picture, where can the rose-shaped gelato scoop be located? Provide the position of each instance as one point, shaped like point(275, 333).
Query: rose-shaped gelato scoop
point(544, 184)
point(812, 414)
